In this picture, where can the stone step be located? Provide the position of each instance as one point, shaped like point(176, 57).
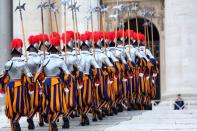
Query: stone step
point(175, 111)
point(161, 118)
point(167, 116)
point(136, 120)
point(152, 127)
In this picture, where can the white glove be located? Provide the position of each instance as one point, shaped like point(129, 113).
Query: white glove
point(66, 90)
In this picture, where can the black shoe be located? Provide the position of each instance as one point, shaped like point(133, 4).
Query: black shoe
point(31, 125)
point(72, 115)
point(129, 108)
point(103, 114)
point(82, 121)
point(99, 115)
point(66, 124)
point(114, 110)
point(16, 126)
point(86, 120)
point(94, 119)
point(45, 117)
point(120, 108)
point(106, 111)
point(111, 114)
point(54, 126)
point(41, 123)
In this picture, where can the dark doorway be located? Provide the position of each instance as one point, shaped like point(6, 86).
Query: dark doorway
point(141, 22)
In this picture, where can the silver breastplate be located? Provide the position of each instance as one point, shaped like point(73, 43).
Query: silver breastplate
point(70, 61)
point(33, 63)
point(16, 68)
point(52, 68)
point(99, 58)
point(85, 62)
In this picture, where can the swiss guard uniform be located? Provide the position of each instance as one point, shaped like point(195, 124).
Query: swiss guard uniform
point(130, 56)
point(56, 82)
point(15, 72)
point(33, 63)
point(90, 80)
point(109, 38)
point(104, 92)
point(151, 74)
point(72, 62)
point(141, 65)
point(121, 77)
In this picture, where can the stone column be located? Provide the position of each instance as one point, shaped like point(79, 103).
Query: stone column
point(31, 18)
point(181, 48)
point(5, 34)
point(5, 30)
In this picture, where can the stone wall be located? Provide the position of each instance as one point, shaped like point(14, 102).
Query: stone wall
point(181, 48)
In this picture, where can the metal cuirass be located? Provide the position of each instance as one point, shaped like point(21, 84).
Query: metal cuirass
point(53, 66)
point(33, 62)
point(16, 67)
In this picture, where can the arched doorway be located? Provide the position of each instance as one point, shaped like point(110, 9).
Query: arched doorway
point(156, 39)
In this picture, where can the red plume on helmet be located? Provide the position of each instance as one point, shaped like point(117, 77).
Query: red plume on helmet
point(119, 34)
point(141, 37)
point(16, 43)
point(33, 39)
point(71, 33)
point(83, 37)
point(96, 37)
point(135, 36)
point(33, 42)
point(88, 35)
point(77, 34)
point(43, 37)
point(55, 41)
point(127, 32)
point(110, 36)
point(68, 37)
point(55, 34)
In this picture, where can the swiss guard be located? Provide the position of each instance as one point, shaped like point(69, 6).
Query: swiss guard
point(73, 64)
point(16, 77)
point(56, 83)
point(104, 91)
point(90, 77)
point(33, 63)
